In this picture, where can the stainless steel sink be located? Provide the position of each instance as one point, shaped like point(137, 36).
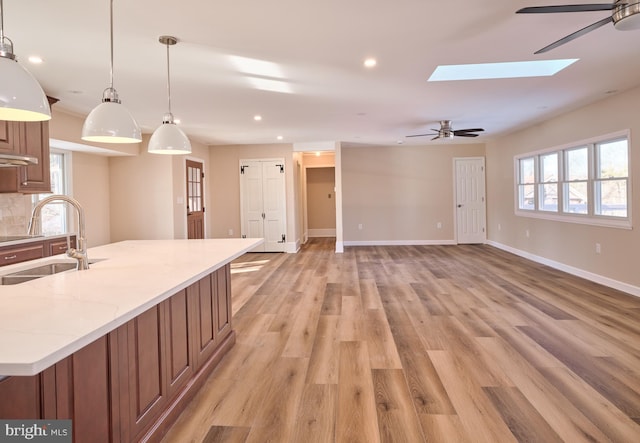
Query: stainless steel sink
point(39, 271)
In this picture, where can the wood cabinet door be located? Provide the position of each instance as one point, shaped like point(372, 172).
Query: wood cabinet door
point(180, 360)
point(145, 372)
point(223, 302)
point(35, 178)
point(202, 301)
point(84, 392)
point(20, 398)
point(7, 138)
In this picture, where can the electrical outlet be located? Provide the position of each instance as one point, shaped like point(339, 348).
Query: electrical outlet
point(598, 249)
point(439, 225)
point(526, 233)
point(230, 232)
point(499, 227)
point(360, 226)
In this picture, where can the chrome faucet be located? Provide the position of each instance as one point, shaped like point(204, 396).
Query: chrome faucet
point(79, 253)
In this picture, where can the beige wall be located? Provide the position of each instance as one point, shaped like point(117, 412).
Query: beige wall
point(91, 187)
point(224, 186)
point(569, 244)
point(142, 196)
point(400, 193)
point(321, 198)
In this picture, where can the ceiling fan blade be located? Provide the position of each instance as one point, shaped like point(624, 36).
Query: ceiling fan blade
point(468, 130)
point(465, 134)
point(575, 35)
point(435, 138)
point(567, 8)
point(418, 135)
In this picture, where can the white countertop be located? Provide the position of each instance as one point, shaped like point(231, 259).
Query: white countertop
point(43, 321)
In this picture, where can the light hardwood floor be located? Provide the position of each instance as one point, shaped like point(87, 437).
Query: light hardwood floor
point(420, 344)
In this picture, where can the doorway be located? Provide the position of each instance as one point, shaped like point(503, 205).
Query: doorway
point(321, 201)
point(470, 203)
point(195, 199)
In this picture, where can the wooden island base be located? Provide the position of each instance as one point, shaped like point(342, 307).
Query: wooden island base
point(131, 384)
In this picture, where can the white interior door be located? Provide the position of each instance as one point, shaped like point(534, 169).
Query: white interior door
point(263, 203)
point(470, 200)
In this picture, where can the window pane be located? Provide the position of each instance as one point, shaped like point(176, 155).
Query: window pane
point(611, 197)
point(577, 164)
point(549, 168)
point(527, 171)
point(549, 197)
point(575, 198)
point(613, 159)
point(526, 198)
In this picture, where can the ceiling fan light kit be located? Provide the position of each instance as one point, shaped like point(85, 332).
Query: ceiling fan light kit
point(110, 122)
point(21, 96)
point(447, 131)
point(625, 16)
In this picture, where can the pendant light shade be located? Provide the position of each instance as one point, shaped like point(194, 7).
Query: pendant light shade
point(110, 122)
point(21, 97)
point(168, 138)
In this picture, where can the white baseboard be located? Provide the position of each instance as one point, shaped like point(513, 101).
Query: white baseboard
point(400, 243)
point(322, 232)
point(606, 281)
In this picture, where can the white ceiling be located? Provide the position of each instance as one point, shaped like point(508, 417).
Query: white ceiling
point(317, 49)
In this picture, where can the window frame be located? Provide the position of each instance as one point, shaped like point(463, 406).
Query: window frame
point(591, 217)
point(70, 220)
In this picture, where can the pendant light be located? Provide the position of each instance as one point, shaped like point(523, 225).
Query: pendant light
point(168, 138)
point(110, 122)
point(21, 97)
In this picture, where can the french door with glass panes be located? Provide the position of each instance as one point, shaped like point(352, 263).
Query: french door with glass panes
point(195, 200)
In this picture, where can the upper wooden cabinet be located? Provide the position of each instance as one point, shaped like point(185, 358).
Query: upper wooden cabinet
point(26, 138)
point(32, 139)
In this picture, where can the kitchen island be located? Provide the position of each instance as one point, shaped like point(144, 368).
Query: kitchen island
point(121, 347)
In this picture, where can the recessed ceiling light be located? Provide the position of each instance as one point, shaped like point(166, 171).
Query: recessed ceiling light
point(317, 153)
point(481, 71)
point(257, 118)
point(35, 59)
point(280, 137)
point(177, 121)
point(370, 62)
point(399, 142)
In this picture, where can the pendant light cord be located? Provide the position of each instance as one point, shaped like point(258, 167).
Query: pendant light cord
point(111, 41)
point(168, 80)
point(1, 23)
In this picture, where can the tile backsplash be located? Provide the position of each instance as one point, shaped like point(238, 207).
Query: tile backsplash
point(15, 211)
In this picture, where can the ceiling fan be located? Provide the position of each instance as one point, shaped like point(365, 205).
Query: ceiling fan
point(625, 15)
point(446, 131)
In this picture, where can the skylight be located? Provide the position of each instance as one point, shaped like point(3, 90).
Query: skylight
point(482, 71)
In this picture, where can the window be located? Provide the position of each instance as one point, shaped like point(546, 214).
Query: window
point(583, 183)
point(576, 185)
point(549, 182)
point(526, 186)
point(612, 178)
point(55, 216)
